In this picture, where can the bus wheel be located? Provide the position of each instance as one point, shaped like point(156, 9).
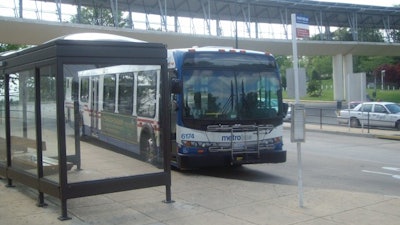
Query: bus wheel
point(147, 148)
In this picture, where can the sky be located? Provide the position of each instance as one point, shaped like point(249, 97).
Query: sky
point(364, 2)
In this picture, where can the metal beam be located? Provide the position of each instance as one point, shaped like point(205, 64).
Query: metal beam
point(245, 8)
point(205, 6)
point(163, 14)
point(352, 18)
point(114, 11)
point(58, 9)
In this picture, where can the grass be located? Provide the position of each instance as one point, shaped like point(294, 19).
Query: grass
point(327, 94)
point(386, 95)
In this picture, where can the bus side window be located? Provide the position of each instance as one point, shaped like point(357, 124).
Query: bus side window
point(146, 93)
point(125, 95)
point(84, 89)
point(109, 93)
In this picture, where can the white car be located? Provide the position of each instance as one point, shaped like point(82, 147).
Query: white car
point(374, 114)
point(288, 115)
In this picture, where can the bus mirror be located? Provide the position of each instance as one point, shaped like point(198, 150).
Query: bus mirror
point(176, 86)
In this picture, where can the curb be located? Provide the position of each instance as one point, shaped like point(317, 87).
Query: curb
point(390, 137)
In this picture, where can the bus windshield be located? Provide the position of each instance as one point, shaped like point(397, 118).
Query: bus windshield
point(230, 93)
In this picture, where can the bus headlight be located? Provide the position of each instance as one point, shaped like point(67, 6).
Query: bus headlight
point(196, 144)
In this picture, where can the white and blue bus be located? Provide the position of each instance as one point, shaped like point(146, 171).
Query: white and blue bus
point(120, 105)
point(229, 110)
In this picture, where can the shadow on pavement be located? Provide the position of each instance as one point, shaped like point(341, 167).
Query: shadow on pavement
point(243, 173)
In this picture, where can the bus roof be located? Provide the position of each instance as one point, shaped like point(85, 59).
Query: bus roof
point(97, 37)
point(219, 49)
point(171, 59)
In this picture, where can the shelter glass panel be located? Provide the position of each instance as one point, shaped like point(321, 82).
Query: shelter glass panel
point(22, 120)
point(3, 150)
point(103, 129)
point(49, 121)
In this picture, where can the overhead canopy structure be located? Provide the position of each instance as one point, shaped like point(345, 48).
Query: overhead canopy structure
point(267, 11)
point(321, 14)
point(41, 31)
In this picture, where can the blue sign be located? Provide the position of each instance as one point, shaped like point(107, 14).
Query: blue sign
point(302, 19)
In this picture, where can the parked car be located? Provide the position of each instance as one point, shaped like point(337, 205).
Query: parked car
point(376, 114)
point(288, 115)
point(353, 104)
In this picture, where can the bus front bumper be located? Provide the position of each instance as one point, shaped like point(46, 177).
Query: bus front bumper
point(218, 159)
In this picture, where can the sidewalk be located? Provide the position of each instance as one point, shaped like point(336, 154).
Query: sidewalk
point(213, 200)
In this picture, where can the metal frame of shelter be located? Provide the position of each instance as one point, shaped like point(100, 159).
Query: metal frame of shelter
point(56, 54)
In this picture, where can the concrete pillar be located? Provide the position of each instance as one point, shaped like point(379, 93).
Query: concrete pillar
point(338, 78)
point(347, 69)
point(342, 66)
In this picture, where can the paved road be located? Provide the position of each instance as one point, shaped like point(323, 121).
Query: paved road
point(347, 179)
point(342, 162)
point(330, 161)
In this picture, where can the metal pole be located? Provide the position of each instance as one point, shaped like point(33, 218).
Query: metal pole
point(320, 118)
point(295, 60)
point(375, 88)
point(297, 96)
point(300, 174)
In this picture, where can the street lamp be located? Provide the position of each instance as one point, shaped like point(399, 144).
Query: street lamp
point(382, 75)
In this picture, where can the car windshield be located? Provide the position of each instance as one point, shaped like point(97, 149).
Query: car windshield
point(393, 108)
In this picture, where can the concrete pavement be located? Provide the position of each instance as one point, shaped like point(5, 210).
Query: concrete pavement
point(212, 200)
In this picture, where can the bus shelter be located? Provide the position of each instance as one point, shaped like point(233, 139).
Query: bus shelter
point(48, 145)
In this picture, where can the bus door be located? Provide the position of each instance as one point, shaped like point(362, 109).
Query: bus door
point(94, 112)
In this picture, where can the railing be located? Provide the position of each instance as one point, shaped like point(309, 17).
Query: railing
point(50, 11)
point(321, 116)
point(327, 117)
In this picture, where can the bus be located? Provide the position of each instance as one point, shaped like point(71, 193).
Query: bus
point(119, 105)
point(226, 107)
point(230, 109)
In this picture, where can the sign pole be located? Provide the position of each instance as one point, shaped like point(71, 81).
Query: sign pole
point(295, 60)
point(298, 116)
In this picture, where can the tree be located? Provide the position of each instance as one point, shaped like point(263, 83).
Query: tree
point(5, 48)
point(98, 16)
point(370, 35)
point(8, 47)
point(370, 63)
point(395, 36)
point(314, 85)
point(284, 62)
point(392, 74)
point(322, 65)
point(362, 34)
point(342, 34)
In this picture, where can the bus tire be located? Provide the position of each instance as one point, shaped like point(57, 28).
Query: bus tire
point(147, 148)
